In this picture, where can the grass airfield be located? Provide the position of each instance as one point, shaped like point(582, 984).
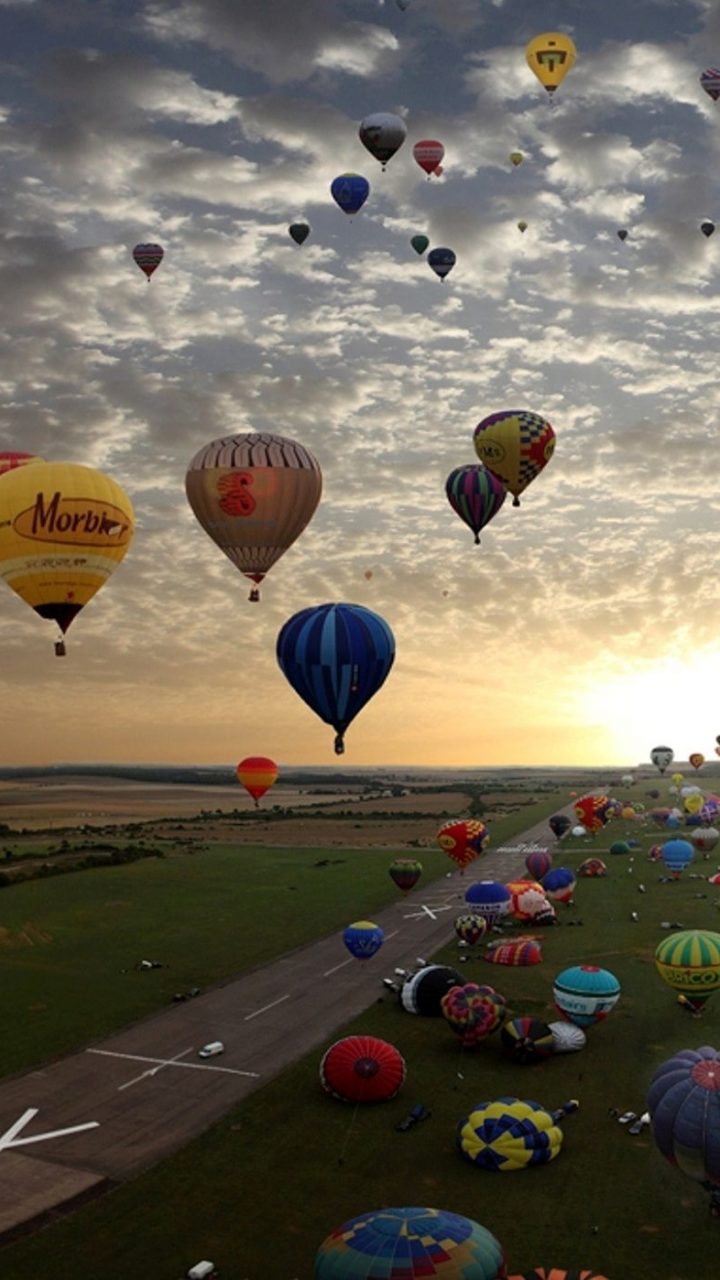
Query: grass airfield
point(261, 1190)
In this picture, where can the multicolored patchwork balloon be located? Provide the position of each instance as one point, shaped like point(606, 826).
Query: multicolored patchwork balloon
point(463, 840)
point(413, 1244)
point(470, 928)
point(473, 1011)
point(515, 445)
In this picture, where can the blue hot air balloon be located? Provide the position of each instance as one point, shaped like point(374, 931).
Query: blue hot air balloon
point(489, 899)
point(684, 1103)
point(336, 656)
point(677, 855)
point(350, 191)
point(363, 939)
point(442, 261)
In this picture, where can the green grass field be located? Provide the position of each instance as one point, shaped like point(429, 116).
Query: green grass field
point(259, 1192)
point(65, 941)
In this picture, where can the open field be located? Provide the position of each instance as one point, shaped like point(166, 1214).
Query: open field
point(259, 1192)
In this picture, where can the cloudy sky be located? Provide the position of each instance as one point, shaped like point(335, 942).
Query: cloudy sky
point(584, 628)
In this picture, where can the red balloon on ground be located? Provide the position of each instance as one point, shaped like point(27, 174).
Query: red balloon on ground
point(362, 1069)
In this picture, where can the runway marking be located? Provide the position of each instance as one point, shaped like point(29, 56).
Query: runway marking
point(266, 1007)
point(432, 912)
point(338, 966)
point(152, 1071)
point(10, 1138)
point(171, 1062)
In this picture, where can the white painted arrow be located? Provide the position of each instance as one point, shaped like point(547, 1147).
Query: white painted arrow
point(10, 1138)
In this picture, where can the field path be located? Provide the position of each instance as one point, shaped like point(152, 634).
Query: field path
point(78, 1126)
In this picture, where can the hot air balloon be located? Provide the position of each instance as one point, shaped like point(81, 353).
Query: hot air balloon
point(383, 134)
point(473, 1012)
point(336, 657)
point(463, 840)
point(662, 757)
point(592, 810)
point(559, 1273)
point(470, 928)
point(538, 863)
point(619, 847)
point(489, 899)
point(441, 261)
point(257, 774)
point(515, 445)
point(568, 1038)
point(585, 994)
point(417, 1244)
point(148, 257)
point(350, 191)
point(559, 884)
point(253, 495)
point(578, 832)
point(363, 939)
point(362, 1069)
point(299, 231)
point(527, 1040)
point(419, 243)
point(511, 1134)
point(11, 459)
point(707, 227)
point(516, 158)
point(592, 867)
point(551, 56)
point(676, 779)
point(522, 225)
point(559, 824)
point(684, 1104)
point(475, 495)
point(422, 993)
point(689, 962)
point(622, 235)
point(710, 81)
point(64, 529)
point(677, 855)
point(527, 900)
point(705, 839)
point(429, 154)
point(697, 759)
point(522, 951)
point(405, 873)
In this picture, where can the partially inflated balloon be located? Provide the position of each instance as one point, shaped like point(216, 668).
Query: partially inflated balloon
point(383, 134)
point(63, 531)
point(429, 155)
point(551, 56)
point(299, 231)
point(350, 191)
point(419, 243)
point(253, 495)
point(257, 774)
point(515, 445)
point(148, 257)
point(710, 81)
point(475, 494)
point(336, 657)
point(441, 261)
point(10, 460)
point(412, 1243)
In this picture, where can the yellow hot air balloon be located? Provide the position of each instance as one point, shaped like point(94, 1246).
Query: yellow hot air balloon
point(253, 495)
point(516, 158)
point(551, 56)
point(64, 529)
point(515, 445)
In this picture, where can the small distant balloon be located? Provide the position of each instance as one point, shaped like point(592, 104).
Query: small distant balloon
point(442, 261)
point(350, 191)
point(419, 243)
point(148, 257)
point(429, 154)
point(299, 231)
point(516, 158)
point(622, 234)
point(697, 759)
point(522, 225)
point(707, 227)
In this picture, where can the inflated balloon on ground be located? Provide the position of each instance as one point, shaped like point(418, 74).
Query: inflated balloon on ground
point(362, 1069)
point(586, 994)
point(412, 1243)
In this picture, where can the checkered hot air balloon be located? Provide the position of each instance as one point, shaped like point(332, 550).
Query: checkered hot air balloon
point(410, 1244)
point(690, 963)
point(515, 445)
point(473, 1012)
point(511, 1134)
point(463, 840)
point(362, 1069)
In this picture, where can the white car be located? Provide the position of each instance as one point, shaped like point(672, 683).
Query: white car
point(212, 1049)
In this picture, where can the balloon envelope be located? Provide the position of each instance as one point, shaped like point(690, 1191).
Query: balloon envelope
point(550, 56)
point(419, 243)
point(689, 962)
point(257, 774)
point(363, 939)
point(475, 495)
point(441, 261)
point(707, 227)
point(710, 81)
point(148, 257)
point(585, 994)
point(11, 459)
point(684, 1102)
point(527, 1040)
point(336, 657)
point(417, 1244)
point(405, 873)
point(515, 445)
point(253, 495)
point(299, 231)
point(64, 529)
point(662, 757)
point(473, 1011)
point(350, 191)
point(463, 839)
point(489, 899)
point(423, 991)
point(383, 134)
point(429, 153)
point(362, 1069)
point(508, 1134)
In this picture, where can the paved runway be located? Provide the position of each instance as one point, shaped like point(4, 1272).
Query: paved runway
point(78, 1126)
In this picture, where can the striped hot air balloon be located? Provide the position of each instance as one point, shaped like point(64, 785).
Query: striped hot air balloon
point(257, 774)
point(148, 257)
point(527, 1040)
point(475, 495)
point(690, 963)
point(585, 994)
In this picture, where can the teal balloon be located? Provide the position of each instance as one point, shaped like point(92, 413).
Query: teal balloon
point(420, 243)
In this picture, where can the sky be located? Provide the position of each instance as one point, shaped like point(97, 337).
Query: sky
point(584, 628)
